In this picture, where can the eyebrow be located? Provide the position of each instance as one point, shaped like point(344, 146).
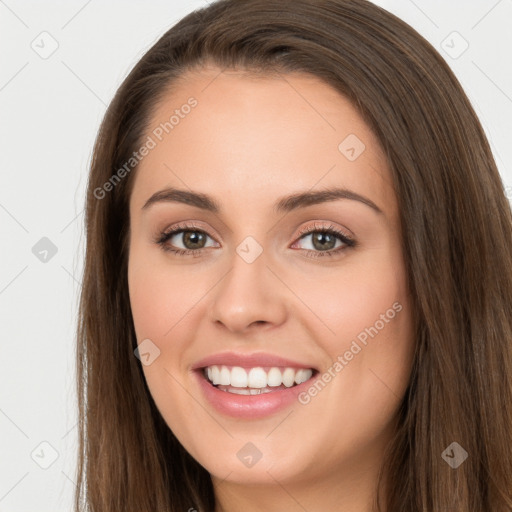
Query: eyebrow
point(284, 204)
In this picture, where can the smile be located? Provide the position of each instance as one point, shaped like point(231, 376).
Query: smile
point(256, 380)
point(252, 392)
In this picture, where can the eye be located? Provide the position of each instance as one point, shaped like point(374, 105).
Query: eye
point(324, 240)
point(193, 239)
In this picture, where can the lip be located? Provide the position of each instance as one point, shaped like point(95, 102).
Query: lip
point(249, 361)
point(250, 406)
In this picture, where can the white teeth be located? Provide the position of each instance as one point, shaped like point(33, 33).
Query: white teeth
point(240, 391)
point(245, 391)
point(302, 376)
point(238, 377)
point(289, 377)
point(256, 380)
point(274, 377)
point(225, 379)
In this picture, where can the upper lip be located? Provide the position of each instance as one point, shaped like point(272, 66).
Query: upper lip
point(248, 360)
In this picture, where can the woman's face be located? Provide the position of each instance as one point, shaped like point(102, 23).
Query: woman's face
point(278, 274)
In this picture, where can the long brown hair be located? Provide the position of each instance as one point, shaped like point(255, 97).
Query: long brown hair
point(457, 244)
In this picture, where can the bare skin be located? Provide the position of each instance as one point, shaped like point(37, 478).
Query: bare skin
point(248, 142)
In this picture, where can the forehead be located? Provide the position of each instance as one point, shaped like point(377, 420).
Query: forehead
point(250, 138)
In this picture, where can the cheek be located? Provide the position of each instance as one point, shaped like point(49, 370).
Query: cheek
point(354, 297)
point(367, 328)
point(161, 294)
point(162, 299)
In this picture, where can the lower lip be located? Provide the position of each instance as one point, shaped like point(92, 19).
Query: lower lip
point(250, 406)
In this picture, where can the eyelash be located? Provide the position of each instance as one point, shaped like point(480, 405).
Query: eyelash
point(331, 230)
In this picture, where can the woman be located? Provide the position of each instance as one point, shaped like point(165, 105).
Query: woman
point(298, 283)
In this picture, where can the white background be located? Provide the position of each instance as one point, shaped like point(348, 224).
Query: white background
point(50, 112)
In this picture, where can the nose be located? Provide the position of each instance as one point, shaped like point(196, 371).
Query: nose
point(249, 295)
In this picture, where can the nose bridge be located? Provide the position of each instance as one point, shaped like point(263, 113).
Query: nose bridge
point(248, 292)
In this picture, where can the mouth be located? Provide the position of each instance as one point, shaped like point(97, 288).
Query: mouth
point(256, 380)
